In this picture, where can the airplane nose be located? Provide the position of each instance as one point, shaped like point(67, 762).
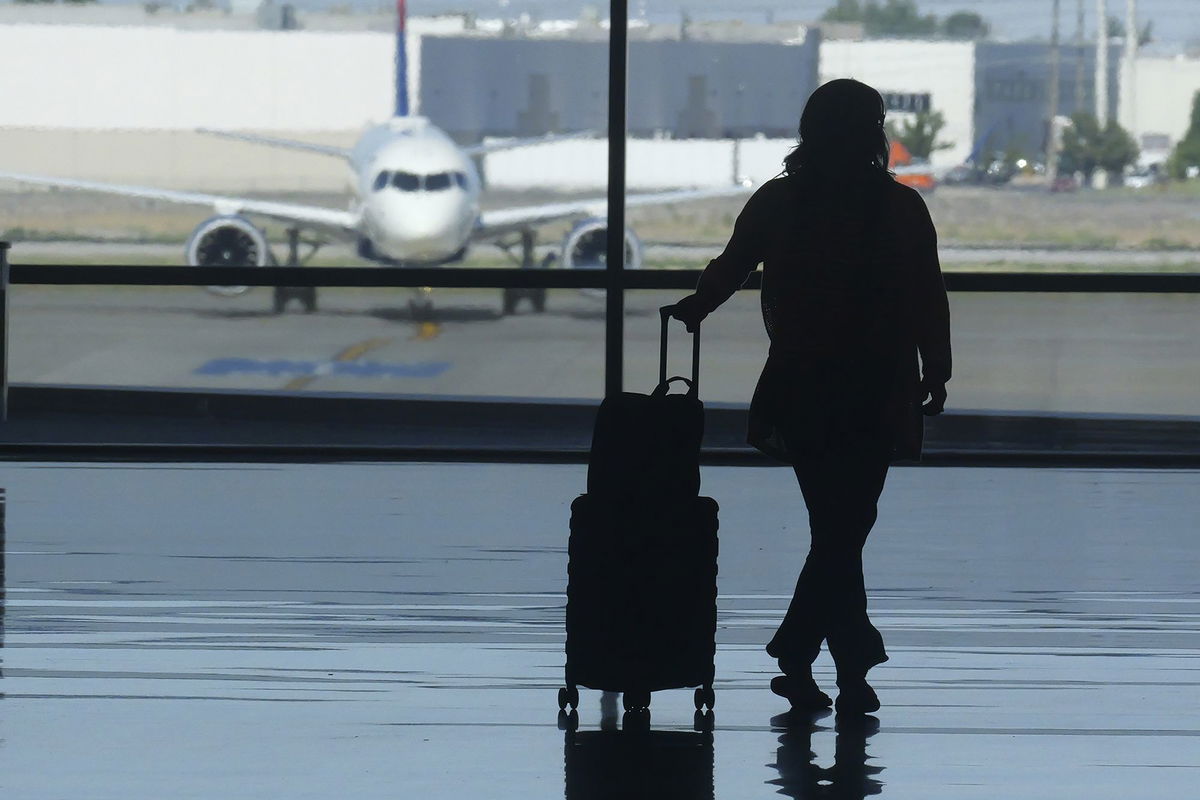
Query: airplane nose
point(419, 228)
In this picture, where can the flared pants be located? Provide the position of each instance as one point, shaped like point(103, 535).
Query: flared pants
point(841, 487)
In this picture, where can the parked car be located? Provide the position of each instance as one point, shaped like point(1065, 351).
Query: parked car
point(1143, 177)
point(961, 175)
point(918, 174)
point(1064, 183)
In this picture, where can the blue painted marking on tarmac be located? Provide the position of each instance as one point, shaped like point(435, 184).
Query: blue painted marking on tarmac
point(353, 369)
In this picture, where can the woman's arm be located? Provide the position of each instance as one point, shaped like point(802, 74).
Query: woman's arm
point(726, 273)
point(933, 315)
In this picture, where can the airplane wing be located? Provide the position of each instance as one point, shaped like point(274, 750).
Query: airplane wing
point(507, 220)
point(331, 219)
point(291, 144)
point(484, 148)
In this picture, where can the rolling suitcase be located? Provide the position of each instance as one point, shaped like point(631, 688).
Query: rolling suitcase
point(642, 558)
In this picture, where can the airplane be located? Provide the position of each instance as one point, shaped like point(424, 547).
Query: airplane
point(416, 203)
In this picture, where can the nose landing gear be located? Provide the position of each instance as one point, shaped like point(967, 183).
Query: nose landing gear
point(420, 304)
point(536, 295)
point(512, 297)
point(307, 295)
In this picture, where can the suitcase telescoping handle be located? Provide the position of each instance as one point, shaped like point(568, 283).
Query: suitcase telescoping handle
point(694, 388)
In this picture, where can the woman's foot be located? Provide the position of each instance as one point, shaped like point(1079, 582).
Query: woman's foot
point(801, 691)
point(855, 696)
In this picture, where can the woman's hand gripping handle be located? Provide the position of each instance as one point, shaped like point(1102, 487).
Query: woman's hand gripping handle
point(689, 311)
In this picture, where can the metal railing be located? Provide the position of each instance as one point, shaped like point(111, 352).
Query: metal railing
point(4, 279)
point(487, 278)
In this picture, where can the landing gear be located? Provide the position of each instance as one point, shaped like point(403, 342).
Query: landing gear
point(420, 305)
point(307, 295)
point(513, 296)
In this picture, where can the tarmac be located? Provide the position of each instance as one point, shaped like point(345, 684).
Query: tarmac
point(975, 256)
point(396, 630)
point(1077, 353)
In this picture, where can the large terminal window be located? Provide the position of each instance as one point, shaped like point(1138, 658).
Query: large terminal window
point(268, 136)
point(1035, 152)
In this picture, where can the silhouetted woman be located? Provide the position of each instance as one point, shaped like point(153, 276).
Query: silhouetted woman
point(852, 294)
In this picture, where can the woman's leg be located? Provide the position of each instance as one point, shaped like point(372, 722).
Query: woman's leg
point(798, 640)
point(841, 490)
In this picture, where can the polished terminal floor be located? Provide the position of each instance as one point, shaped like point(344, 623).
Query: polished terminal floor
point(396, 631)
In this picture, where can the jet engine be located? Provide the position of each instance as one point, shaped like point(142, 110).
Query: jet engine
point(586, 246)
point(227, 241)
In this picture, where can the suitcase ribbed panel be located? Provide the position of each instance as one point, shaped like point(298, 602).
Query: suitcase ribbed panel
point(642, 595)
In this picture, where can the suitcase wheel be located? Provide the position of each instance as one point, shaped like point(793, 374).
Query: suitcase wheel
point(636, 700)
point(568, 722)
point(705, 697)
point(568, 697)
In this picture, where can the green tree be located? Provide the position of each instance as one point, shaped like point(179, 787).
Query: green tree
point(889, 18)
point(844, 11)
point(1116, 30)
point(1086, 147)
point(920, 134)
point(965, 25)
point(1187, 151)
point(1079, 145)
point(897, 18)
point(1116, 149)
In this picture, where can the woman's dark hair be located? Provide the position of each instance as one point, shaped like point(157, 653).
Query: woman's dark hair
point(841, 128)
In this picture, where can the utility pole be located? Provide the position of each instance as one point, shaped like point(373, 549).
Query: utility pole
point(1080, 99)
point(1051, 133)
point(1129, 73)
point(1100, 177)
point(1101, 63)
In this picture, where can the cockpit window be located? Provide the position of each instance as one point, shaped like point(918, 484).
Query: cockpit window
point(381, 180)
point(461, 179)
point(437, 182)
point(406, 181)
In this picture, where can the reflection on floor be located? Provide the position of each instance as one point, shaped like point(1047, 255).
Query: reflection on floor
point(633, 760)
point(851, 774)
point(293, 631)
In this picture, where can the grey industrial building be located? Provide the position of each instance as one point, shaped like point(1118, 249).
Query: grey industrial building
point(474, 87)
point(1012, 92)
